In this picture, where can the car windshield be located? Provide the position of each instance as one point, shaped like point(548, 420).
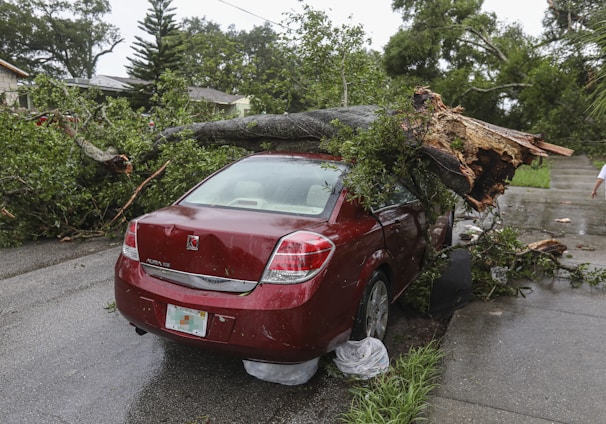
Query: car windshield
point(273, 183)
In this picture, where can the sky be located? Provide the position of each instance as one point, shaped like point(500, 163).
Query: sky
point(378, 19)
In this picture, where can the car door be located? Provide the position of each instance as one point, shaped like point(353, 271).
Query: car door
point(403, 220)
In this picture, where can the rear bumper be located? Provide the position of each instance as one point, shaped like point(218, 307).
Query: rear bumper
point(276, 323)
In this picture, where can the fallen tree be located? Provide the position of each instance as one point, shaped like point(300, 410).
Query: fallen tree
point(473, 158)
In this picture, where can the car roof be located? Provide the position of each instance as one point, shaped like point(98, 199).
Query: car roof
point(302, 155)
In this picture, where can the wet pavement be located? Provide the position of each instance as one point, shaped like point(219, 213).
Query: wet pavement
point(538, 359)
point(66, 356)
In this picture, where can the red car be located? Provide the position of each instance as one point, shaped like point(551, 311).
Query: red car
point(269, 260)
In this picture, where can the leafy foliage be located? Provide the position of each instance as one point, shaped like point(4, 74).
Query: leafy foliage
point(498, 73)
point(385, 156)
point(330, 64)
point(418, 294)
point(463, 54)
point(313, 65)
point(189, 163)
point(56, 37)
point(598, 37)
point(500, 265)
point(213, 58)
point(401, 395)
point(500, 258)
point(50, 189)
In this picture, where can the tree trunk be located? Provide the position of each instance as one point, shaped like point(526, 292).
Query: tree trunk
point(300, 132)
point(484, 157)
point(473, 158)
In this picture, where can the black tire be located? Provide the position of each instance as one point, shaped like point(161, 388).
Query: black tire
point(449, 229)
point(453, 289)
point(373, 313)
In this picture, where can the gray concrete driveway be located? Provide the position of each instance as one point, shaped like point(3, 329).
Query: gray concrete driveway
point(537, 359)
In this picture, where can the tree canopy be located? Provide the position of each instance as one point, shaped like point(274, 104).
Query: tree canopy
point(599, 100)
point(56, 37)
point(500, 74)
point(312, 64)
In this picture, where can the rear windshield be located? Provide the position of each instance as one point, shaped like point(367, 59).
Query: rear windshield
point(281, 184)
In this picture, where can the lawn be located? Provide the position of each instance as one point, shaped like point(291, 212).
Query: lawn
point(537, 175)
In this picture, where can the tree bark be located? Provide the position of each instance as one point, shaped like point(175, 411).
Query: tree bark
point(110, 159)
point(294, 132)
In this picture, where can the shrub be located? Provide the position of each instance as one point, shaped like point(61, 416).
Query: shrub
point(50, 188)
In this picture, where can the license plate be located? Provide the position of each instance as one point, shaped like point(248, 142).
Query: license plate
point(186, 320)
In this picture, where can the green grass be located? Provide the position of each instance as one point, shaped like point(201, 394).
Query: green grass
point(111, 306)
point(400, 395)
point(535, 175)
point(598, 163)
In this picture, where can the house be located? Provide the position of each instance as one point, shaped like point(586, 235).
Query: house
point(236, 105)
point(9, 76)
point(229, 103)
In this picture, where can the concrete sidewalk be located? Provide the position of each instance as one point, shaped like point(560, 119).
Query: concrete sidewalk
point(538, 359)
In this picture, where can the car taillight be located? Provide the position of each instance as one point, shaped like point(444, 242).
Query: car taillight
point(129, 247)
point(298, 257)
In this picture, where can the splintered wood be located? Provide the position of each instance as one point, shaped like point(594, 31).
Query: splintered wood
point(486, 155)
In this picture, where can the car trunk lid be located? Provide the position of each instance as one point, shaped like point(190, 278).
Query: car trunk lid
point(229, 244)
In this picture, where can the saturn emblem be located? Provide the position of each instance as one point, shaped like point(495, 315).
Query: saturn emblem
point(192, 242)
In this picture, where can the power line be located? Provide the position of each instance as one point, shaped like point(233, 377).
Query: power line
point(251, 13)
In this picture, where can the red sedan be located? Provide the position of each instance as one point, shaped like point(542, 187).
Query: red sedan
point(269, 260)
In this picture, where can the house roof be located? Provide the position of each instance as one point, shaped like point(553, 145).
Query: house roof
point(104, 82)
point(119, 84)
point(14, 69)
point(215, 96)
point(124, 80)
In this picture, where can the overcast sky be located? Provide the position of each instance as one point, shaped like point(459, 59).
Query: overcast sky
point(377, 17)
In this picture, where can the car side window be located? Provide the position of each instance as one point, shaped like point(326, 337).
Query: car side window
point(400, 195)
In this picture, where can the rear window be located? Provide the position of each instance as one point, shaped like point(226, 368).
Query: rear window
point(280, 184)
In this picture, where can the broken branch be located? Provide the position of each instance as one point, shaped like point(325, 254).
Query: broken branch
point(137, 191)
point(111, 160)
point(5, 212)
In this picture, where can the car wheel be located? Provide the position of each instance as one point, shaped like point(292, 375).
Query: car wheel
point(374, 309)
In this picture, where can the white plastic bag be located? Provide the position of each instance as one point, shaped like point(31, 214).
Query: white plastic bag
point(499, 274)
point(364, 359)
point(287, 374)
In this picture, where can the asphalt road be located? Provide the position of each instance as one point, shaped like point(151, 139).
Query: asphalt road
point(65, 357)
